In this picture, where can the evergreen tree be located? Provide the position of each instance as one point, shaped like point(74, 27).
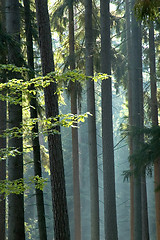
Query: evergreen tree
point(15, 164)
point(136, 119)
point(130, 75)
point(75, 147)
point(92, 139)
point(110, 220)
point(61, 223)
point(35, 137)
point(2, 127)
point(154, 116)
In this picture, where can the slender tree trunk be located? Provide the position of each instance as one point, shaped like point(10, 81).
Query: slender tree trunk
point(110, 219)
point(2, 169)
point(154, 111)
point(92, 139)
point(75, 147)
point(2, 139)
point(130, 75)
point(136, 121)
point(145, 225)
point(144, 203)
point(61, 222)
point(35, 137)
point(15, 164)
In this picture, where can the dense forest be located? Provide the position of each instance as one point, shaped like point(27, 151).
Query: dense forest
point(79, 120)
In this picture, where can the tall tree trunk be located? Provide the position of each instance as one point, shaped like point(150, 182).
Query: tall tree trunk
point(110, 220)
point(35, 137)
point(2, 169)
point(2, 139)
point(61, 222)
point(75, 147)
point(144, 203)
point(130, 75)
point(15, 164)
point(154, 111)
point(92, 139)
point(136, 120)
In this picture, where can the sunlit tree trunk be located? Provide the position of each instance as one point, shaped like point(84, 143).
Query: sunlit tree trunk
point(92, 139)
point(154, 111)
point(35, 137)
point(61, 222)
point(75, 147)
point(110, 219)
point(2, 139)
point(15, 164)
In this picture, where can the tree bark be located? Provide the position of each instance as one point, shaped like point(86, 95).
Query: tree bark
point(16, 229)
point(92, 138)
point(35, 137)
point(2, 139)
point(61, 222)
point(136, 120)
point(154, 112)
point(110, 219)
point(130, 75)
point(2, 170)
point(75, 147)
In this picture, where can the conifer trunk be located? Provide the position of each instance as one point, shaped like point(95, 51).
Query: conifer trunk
point(110, 219)
point(75, 147)
point(2, 169)
point(15, 164)
point(154, 112)
point(2, 139)
point(130, 75)
point(35, 137)
point(92, 138)
point(136, 121)
point(61, 222)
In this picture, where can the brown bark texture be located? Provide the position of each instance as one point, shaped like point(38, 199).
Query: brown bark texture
point(16, 229)
point(110, 218)
point(75, 144)
point(154, 112)
point(92, 138)
point(35, 137)
point(61, 222)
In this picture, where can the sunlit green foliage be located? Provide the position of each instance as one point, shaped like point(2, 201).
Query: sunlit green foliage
point(18, 186)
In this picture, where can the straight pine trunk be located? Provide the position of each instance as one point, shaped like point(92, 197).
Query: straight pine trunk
point(130, 75)
point(92, 138)
point(2, 139)
point(75, 147)
point(2, 170)
point(61, 222)
point(15, 164)
point(154, 111)
point(35, 137)
point(110, 219)
point(136, 121)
